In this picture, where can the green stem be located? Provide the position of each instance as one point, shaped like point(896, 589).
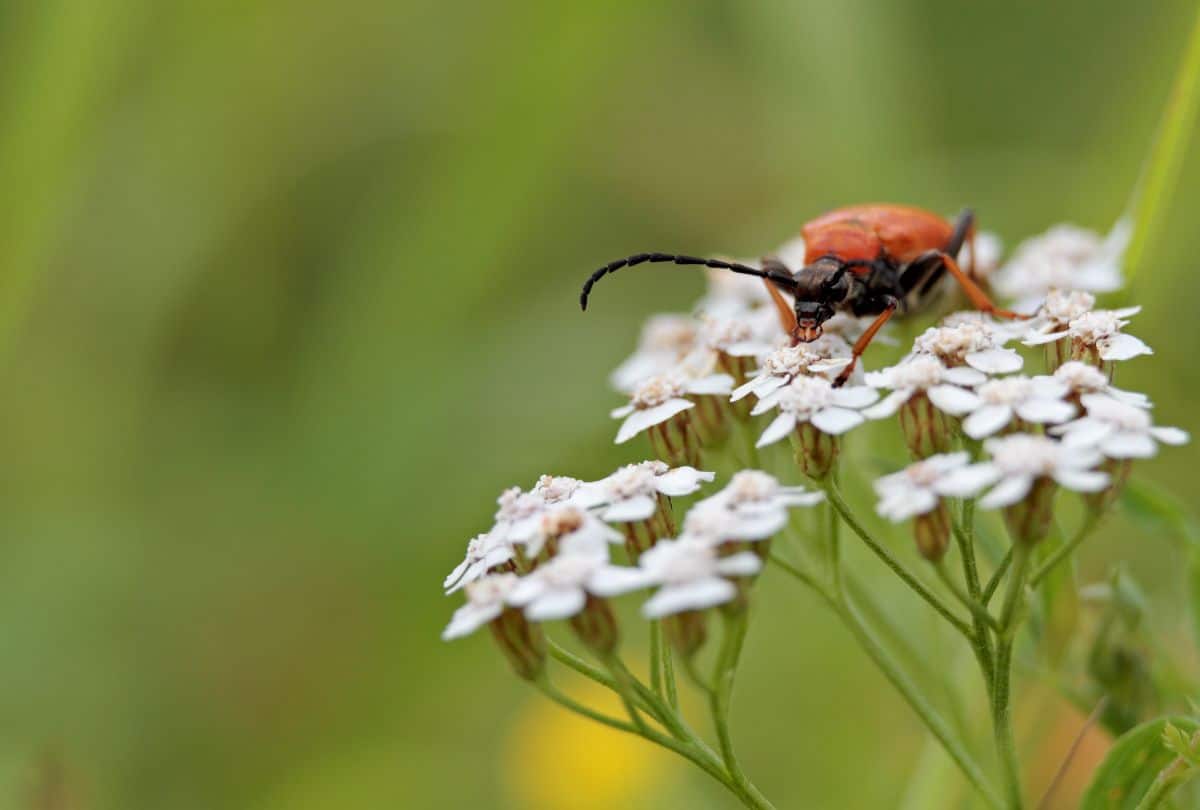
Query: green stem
point(986, 597)
point(720, 695)
point(1064, 551)
point(626, 692)
point(656, 645)
point(1002, 695)
point(964, 536)
point(1160, 173)
point(669, 677)
point(882, 553)
point(978, 611)
point(1165, 783)
point(919, 704)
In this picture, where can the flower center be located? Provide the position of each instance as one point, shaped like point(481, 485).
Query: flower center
point(657, 390)
point(1092, 327)
point(1006, 391)
point(806, 395)
point(1081, 376)
point(750, 486)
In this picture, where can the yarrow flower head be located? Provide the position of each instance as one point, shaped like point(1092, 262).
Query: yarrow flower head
point(665, 341)
point(786, 363)
point(974, 343)
point(636, 496)
point(923, 391)
point(917, 492)
point(1022, 472)
point(1118, 429)
point(752, 507)
point(485, 552)
point(816, 412)
point(1037, 400)
point(566, 525)
point(691, 576)
point(1096, 337)
point(1065, 257)
point(660, 400)
point(487, 603)
point(1083, 378)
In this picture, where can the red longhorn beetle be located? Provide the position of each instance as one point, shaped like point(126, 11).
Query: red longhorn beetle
point(863, 259)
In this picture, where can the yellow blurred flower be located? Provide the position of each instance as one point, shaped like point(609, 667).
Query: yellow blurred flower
point(556, 759)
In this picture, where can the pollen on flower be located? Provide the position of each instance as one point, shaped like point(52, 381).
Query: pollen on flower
point(516, 505)
point(656, 390)
point(921, 372)
point(749, 486)
point(635, 479)
point(954, 342)
point(560, 522)
point(556, 488)
point(1081, 378)
point(805, 396)
point(1092, 327)
point(792, 361)
point(1006, 390)
point(1063, 306)
point(724, 334)
point(1025, 453)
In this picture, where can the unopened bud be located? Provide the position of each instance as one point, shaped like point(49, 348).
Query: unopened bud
point(521, 642)
point(815, 450)
point(686, 631)
point(596, 626)
point(932, 532)
point(927, 430)
point(1029, 519)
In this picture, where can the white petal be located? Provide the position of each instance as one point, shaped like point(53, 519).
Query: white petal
point(696, 595)
point(455, 575)
point(1126, 312)
point(836, 421)
point(630, 510)
point(682, 481)
point(987, 420)
point(888, 405)
point(952, 399)
point(766, 402)
point(1123, 347)
point(614, 580)
point(1045, 411)
point(1129, 445)
point(1007, 492)
point(967, 481)
point(904, 505)
point(713, 384)
point(749, 387)
point(854, 396)
point(1035, 339)
point(560, 603)
point(784, 424)
point(468, 618)
point(1085, 432)
point(757, 524)
point(829, 364)
point(1082, 480)
point(623, 411)
point(525, 591)
point(1170, 435)
point(640, 420)
point(995, 361)
point(742, 564)
point(802, 498)
point(965, 375)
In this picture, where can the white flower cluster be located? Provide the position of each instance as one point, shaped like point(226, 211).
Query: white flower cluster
point(556, 579)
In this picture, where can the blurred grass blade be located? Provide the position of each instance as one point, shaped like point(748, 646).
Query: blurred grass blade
point(1132, 765)
point(1059, 594)
point(1161, 170)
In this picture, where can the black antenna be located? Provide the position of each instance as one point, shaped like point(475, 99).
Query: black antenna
point(784, 279)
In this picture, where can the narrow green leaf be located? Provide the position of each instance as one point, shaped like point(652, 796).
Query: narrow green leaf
point(1132, 765)
point(1157, 510)
point(1059, 595)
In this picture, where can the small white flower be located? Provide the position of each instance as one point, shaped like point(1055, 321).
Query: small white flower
point(1017, 461)
point(1039, 400)
point(792, 253)
point(814, 400)
point(746, 336)
point(554, 489)
point(918, 488)
point(690, 573)
point(1059, 308)
point(658, 398)
point(988, 248)
point(1099, 330)
point(518, 514)
point(1065, 257)
point(922, 373)
point(569, 525)
point(784, 364)
point(1117, 429)
point(1084, 378)
point(484, 552)
point(630, 494)
point(733, 294)
point(486, 599)
point(970, 342)
point(665, 341)
point(558, 589)
point(752, 507)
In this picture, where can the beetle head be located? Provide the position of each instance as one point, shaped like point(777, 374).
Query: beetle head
point(820, 287)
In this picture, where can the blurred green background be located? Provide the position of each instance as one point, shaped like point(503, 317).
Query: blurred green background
point(288, 296)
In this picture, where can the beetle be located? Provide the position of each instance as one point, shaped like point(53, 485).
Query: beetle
point(865, 260)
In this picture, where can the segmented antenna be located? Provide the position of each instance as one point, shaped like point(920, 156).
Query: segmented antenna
point(778, 277)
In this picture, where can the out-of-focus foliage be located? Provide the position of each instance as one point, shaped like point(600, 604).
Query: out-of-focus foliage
point(287, 295)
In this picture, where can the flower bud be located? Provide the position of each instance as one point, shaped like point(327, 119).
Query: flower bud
point(686, 631)
point(815, 450)
point(521, 642)
point(927, 430)
point(1029, 519)
point(932, 532)
point(596, 626)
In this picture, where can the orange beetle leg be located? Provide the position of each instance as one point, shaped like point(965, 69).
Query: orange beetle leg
point(865, 339)
point(978, 297)
point(787, 315)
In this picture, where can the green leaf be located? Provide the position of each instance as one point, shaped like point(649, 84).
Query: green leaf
point(1132, 765)
point(1059, 594)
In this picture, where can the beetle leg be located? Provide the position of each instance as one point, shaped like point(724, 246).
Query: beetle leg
point(786, 310)
point(978, 297)
point(865, 339)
